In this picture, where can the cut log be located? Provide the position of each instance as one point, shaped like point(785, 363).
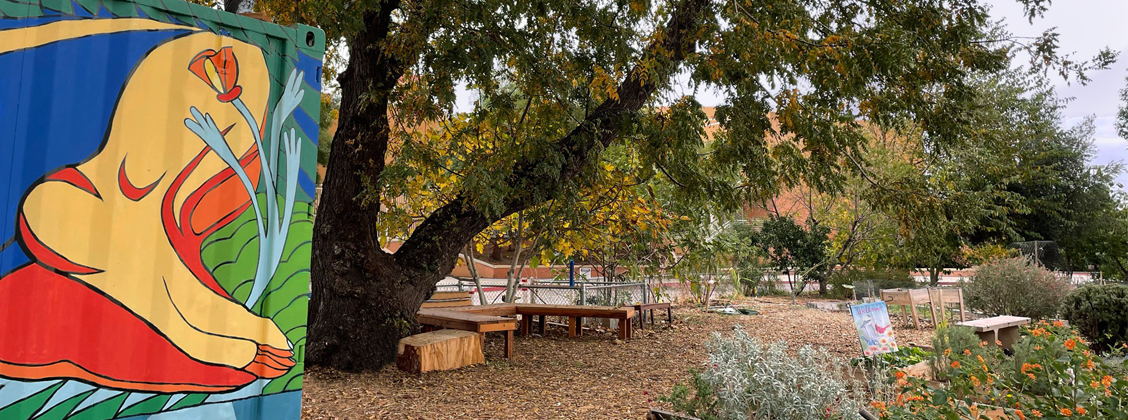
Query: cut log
point(439, 350)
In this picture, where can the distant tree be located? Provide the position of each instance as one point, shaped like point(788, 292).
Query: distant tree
point(330, 106)
point(801, 252)
point(1122, 116)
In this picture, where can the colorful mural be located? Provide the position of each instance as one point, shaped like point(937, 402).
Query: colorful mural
point(157, 164)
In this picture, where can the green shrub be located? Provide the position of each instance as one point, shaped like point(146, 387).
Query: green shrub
point(745, 379)
point(1015, 286)
point(900, 358)
point(868, 283)
point(1100, 313)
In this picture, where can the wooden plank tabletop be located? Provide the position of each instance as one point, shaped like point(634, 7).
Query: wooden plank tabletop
point(497, 309)
point(578, 311)
point(996, 323)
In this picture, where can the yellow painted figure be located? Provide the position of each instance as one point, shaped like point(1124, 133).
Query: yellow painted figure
point(118, 236)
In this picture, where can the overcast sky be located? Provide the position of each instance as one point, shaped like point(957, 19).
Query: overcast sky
point(1085, 27)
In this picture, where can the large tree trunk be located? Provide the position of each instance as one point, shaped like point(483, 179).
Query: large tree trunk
point(364, 299)
point(352, 277)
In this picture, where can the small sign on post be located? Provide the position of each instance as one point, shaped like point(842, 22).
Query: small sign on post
point(871, 320)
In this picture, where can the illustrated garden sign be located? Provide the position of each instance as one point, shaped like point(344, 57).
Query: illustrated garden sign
point(871, 320)
point(156, 174)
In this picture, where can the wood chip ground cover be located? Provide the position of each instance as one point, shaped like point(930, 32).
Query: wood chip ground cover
point(590, 377)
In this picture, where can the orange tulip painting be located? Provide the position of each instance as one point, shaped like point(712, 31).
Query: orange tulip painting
point(220, 70)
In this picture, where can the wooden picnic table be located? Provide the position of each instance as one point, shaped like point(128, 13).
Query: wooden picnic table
point(501, 317)
point(642, 309)
point(575, 315)
point(468, 321)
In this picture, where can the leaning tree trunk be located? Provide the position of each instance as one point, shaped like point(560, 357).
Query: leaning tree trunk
point(364, 299)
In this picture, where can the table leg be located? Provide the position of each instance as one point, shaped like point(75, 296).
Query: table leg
point(651, 317)
point(542, 325)
point(580, 326)
point(572, 321)
point(509, 344)
point(625, 329)
point(916, 318)
point(963, 315)
point(526, 324)
point(669, 316)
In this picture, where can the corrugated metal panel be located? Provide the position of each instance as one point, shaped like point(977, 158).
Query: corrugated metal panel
point(157, 166)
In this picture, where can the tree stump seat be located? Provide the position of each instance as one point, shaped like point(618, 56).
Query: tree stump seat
point(439, 350)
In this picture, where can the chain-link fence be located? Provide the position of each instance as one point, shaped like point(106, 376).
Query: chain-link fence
point(587, 293)
point(558, 293)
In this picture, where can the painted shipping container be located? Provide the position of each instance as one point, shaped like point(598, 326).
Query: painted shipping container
point(157, 166)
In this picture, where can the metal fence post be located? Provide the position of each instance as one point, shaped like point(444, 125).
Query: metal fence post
point(583, 294)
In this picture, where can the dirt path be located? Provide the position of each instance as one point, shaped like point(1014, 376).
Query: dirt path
point(554, 377)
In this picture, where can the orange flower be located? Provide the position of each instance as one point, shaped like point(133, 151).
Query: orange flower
point(1095, 384)
point(1081, 410)
point(1059, 324)
point(1037, 347)
point(1089, 364)
point(979, 358)
point(967, 352)
point(1036, 413)
point(1020, 415)
point(1106, 381)
point(974, 381)
point(220, 70)
point(1066, 412)
point(1031, 375)
point(1070, 344)
point(955, 364)
point(900, 374)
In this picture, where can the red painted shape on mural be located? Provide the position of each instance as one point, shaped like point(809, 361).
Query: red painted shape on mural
point(60, 328)
point(75, 177)
point(47, 256)
point(129, 190)
point(223, 198)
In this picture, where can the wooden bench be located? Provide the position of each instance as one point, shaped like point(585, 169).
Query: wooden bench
point(1003, 329)
point(642, 308)
point(575, 315)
